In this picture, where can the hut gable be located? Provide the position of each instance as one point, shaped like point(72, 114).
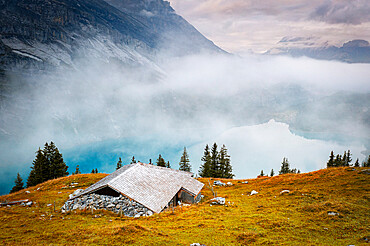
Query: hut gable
point(152, 186)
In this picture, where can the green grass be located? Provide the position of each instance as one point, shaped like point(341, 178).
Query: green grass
point(298, 218)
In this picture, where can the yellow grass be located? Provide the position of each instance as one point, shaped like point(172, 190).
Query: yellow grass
point(297, 218)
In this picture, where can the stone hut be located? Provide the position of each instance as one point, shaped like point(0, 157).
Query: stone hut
point(153, 187)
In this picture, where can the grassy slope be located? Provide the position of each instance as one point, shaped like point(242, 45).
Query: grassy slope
point(298, 218)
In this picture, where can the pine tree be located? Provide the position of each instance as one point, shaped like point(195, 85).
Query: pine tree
point(204, 170)
point(168, 164)
point(225, 169)
point(93, 171)
point(160, 161)
point(96, 170)
point(214, 167)
point(338, 161)
point(119, 163)
point(357, 163)
point(40, 170)
point(272, 173)
point(77, 170)
point(366, 163)
point(184, 164)
point(348, 159)
point(284, 167)
point(262, 174)
point(58, 167)
point(299, 171)
point(330, 162)
point(18, 184)
point(133, 160)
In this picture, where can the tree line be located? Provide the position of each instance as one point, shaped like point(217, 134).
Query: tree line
point(345, 160)
point(284, 169)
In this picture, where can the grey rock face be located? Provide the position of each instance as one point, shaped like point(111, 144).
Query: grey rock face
point(117, 205)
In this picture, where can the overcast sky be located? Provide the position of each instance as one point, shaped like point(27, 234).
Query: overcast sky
point(255, 25)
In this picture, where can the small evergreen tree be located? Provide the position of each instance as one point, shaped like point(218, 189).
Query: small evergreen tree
point(96, 170)
point(348, 158)
point(168, 164)
point(299, 171)
point(184, 164)
point(357, 163)
point(214, 167)
point(93, 171)
point(262, 174)
point(133, 160)
point(225, 169)
point(40, 171)
point(366, 163)
point(160, 161)
point(330, 162)
point(272, 173)
point(284, 167)
point(204, 170)
point(338, 161)
point(18, 184)
point(119, 163)
point(77, 170)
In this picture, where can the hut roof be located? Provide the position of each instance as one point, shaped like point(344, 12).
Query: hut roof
point(149, 185)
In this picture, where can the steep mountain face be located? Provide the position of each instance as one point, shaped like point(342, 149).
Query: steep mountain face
point(40, 33)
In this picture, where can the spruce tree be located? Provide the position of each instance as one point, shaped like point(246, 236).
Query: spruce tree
point(357, 163)
point(133, 160)
point(338, 161)
point(77, 170)
point(366, 163)
point(348, 158)
point(330, 162)
point(160, 161)
point(224, 169)
point(284, 167)
point(214, 167)
point(40, 171)
point(18, 184)
point(58, 167)
point(168, 164)
point(96, 170)
point(119, 163)
point(204, 170)
point(184, 164)
point(93, 171)
point(272, 173)
point(262, 174)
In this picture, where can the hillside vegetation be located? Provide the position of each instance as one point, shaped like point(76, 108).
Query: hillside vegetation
point(300, 217)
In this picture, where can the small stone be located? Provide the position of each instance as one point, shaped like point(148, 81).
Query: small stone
point(253, 192)
point(333, 213)
point(49, 205)
point(137, 216)
point(28, 203)
point(28, 192)
point(245, 182)
point(284, 191)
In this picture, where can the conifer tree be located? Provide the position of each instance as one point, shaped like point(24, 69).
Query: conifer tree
point(262, 174)
point(40, 170)
point(93, 171)
point(224, 168)
point(330, 162)
point(96, 170)
point(119, 163)
point(366, 163)
point(77, 170)
point(204, 170)
point(284, 167)
point(338, 161)
point(214, 167)
point(18, 184)
point(272, 173)
point(58, 167)
point(133, 160)
point(160, 161)
point(357, 163)
point(184, 164)
point(348, 158)
point(168, 164)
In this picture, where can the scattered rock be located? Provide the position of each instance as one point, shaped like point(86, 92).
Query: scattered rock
point(333, 213)
point(284, 191)
point(38, 188)
point(218, 201)
point(218, 183)
point(28, 192)
point(49, 205)
point(253, 192)
point(75, 193)
point(365, 171)
point(197, 244)
point(28, 203)
point(245, 182)
point(229, 184)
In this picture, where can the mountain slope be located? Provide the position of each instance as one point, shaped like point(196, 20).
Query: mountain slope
point(39, 33)
point(325, 207)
